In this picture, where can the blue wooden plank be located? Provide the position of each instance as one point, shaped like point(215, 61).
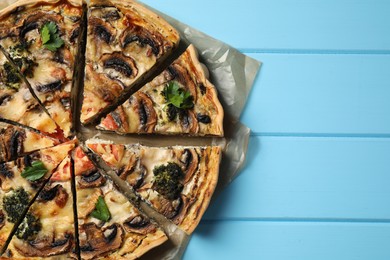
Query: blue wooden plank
point(284, 24)
point(310, 178)
point(345, 94)
point(292, 241)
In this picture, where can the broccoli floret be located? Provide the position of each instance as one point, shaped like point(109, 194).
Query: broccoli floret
point(29, 227)
point(15, 204)
point(26, 66)
point(12, 77)
point(167, 180)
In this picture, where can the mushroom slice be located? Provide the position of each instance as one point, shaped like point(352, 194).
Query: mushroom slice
point(99, 242)
point(147, 114)
point(139, 224)
point(142, 36)
point(57, 193)
point(188, 121)
point(35, 21)
point(190, 159)
point(135, 177)
point(170, 209)
point(108, 13)
point(118, 65)
point(44, 248)
point(101, 30)
point(91, 180)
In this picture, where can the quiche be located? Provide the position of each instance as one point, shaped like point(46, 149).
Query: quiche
point(16, 141)
point(115, 65)
point(124, 42)
point(41, 39)
point(17, 102)
point(21, 180)
point(181, 100)
point(176, 181)
point(110, 226)
point(48, 228)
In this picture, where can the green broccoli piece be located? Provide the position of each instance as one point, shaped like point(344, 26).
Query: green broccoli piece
point(15, 204)
point(29, 227)
point(167, 180)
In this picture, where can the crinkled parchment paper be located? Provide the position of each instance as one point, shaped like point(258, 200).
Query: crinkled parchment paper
point(233, 75)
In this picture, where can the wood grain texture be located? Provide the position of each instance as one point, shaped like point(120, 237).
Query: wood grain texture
point(343, 25)
point(289, 240)
point(300, 93)
point(310, 178)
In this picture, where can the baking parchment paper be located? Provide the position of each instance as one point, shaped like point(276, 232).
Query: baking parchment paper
point(233, 74)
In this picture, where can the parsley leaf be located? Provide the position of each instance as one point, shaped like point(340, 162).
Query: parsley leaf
point(34, 172)
point(101, 210)
point(177, 96)
point(50, 38)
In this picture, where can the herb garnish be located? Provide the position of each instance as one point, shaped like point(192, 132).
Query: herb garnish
point(34, 172)
point(177, 96)
point(50, 37)
point(101, 210)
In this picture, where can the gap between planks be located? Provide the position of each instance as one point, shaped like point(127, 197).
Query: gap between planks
point(320, 135)
point(313, 51)
point(301, 220)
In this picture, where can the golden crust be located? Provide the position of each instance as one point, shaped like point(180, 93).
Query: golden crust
point(201, 76)
point(148, 243)
point(31, 3)
point(159, 23)
point(211, 172)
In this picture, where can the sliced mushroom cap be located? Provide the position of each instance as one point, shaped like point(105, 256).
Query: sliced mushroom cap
point(139, 224)
point(182, 75)
point(50, 87)
point(171, 209)
point(5, 172)
point(190, 160)
point(35, 21)
point(86, 201)
point(108, 13)
point(45, 247)
point(101, 30)
point(119, 65)
point(92, 179)
point(142, 36)
point(11, 143)
point(134, 176)
point(100, 242)
point(188, 121)
point(147, 114)
point(107, 89)
point(57, 193)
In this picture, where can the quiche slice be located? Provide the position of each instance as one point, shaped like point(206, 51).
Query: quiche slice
point(124, 43)
point(16, 141)
point(177, 182)
point(41, 39)
point(17, 103)
point(110, 226)
point(48, 229)
point(181, 100)
point(21, 180)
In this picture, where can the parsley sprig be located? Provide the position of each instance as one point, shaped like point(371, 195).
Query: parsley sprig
point(50, 37)
point(101, 210)
point(177, 96)
point(34, 172)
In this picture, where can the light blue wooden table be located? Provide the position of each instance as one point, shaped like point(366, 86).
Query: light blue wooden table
point(317, 182)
